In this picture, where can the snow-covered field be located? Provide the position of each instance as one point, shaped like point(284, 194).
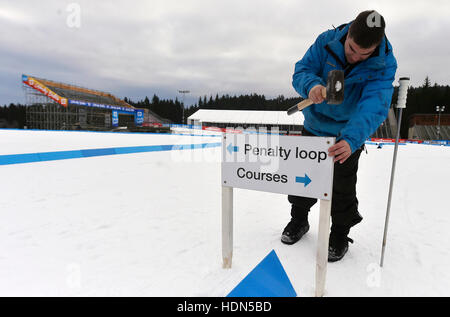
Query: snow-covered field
point(149, 224)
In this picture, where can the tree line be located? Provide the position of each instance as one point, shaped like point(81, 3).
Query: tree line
point(165, 108)
point(13, 116)
point(421, 100)
point(173, 110)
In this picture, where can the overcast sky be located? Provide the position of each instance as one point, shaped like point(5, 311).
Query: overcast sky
point(140, 48)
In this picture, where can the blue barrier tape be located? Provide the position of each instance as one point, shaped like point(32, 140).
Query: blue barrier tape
point(383, 144)
point(64, 155)
point(393, 143)
point(117, 132)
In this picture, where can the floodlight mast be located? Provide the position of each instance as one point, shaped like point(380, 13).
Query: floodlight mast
point(183, 92)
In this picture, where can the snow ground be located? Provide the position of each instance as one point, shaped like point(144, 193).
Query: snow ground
point(149, 224)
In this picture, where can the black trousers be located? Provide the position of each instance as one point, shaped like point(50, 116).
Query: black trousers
point(344, 204)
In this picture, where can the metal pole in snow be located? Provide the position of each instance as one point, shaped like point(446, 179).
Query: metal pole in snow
point(401, 103)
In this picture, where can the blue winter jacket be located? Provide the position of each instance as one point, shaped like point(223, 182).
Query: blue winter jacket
point(367, 94)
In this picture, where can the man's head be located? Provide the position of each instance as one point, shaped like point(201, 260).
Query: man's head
point(364, 35)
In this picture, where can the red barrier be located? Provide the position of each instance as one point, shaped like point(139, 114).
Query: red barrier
point(152, 124)
point(380, 140)
point(225, 130)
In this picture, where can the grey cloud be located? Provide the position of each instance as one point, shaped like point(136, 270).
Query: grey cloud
point(139, 48)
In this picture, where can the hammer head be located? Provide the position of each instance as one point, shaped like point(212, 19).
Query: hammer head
point(335, 87)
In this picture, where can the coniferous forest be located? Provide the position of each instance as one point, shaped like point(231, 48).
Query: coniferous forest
point(421, 100)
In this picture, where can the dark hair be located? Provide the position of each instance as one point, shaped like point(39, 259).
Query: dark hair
point(368, 29)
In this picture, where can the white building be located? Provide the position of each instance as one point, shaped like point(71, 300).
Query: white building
point(248, 119)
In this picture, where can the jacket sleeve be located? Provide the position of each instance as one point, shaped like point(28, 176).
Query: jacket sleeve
point(372, 110)
point(308, 69)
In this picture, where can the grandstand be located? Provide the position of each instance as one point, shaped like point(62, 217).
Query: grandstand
point(421, 127)
point(429, 127)
point(57, 106)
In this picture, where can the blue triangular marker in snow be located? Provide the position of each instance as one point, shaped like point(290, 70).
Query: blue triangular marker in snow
point(267, 279)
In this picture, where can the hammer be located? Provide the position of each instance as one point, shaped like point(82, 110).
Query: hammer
point(333, 94)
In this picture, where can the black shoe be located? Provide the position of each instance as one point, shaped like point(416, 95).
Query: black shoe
point(338, 246)
point(294, 231)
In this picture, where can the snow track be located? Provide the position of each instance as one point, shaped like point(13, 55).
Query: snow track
point(148, 224)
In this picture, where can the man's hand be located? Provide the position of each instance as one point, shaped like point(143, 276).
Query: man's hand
point(315, 94)
point(341, 151)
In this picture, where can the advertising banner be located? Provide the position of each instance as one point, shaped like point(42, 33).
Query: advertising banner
point(33, 83)
point(139, 117)
point(115, 119)
point(98, 105)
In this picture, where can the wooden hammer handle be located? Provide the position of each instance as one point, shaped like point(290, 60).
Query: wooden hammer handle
point(300, 106)
point(305, 103)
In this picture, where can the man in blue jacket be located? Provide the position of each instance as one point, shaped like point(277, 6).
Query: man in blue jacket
point(361, 49)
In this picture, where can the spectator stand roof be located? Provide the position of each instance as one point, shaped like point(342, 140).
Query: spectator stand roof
point(83, 94)
point(247, 117)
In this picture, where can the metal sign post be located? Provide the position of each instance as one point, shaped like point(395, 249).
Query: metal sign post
point(286, 165)
point(401, 103)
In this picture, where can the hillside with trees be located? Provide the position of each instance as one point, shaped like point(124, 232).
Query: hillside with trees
point(421, 100)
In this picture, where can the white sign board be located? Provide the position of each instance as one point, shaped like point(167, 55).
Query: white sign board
point(293, 165)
